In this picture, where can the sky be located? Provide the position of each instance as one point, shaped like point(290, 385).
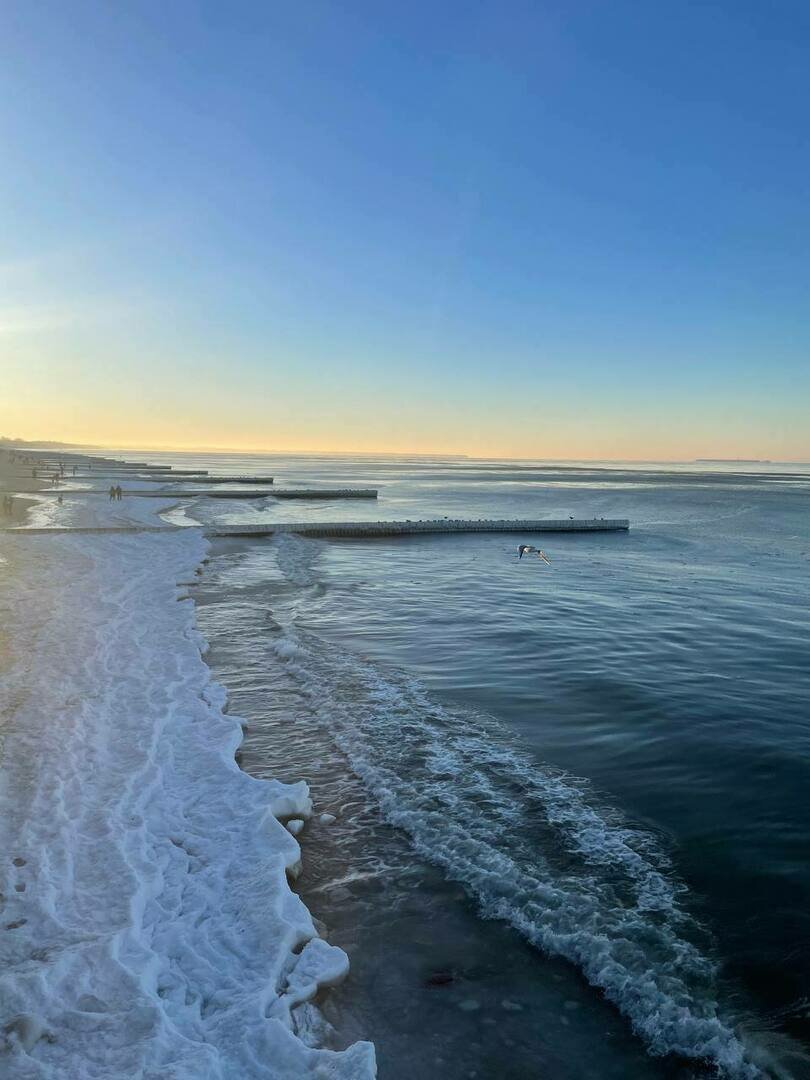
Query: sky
point(562, 229)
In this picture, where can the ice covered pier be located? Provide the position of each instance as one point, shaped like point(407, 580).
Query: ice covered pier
point(365, 529)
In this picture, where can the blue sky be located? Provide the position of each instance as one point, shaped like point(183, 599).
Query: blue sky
point(546, 229)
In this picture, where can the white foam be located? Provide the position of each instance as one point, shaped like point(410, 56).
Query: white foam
point(533, 846)
point(148, 928)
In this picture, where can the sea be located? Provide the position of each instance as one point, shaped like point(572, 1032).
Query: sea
point(562, 820)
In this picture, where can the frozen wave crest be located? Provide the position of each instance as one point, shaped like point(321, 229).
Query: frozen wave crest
point(531, 844)
point(148, 928)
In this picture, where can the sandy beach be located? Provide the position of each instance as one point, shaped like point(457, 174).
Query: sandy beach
point(149, 926)
point(14, 473)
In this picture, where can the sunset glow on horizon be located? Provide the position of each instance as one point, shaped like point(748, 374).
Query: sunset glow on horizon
point(530, 232)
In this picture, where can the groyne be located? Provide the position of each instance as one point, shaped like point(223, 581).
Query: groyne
point(368, 529)
point(174, 478)
point(220, 493)
point(362, 529)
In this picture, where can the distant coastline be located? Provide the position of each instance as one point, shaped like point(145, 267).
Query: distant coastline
point(44, 444)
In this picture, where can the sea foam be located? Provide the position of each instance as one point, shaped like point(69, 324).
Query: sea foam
point(148, 928)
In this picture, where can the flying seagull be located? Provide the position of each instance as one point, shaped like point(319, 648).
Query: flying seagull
point(527, 549)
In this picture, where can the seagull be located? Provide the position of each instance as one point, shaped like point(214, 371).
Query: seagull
point(527, 549)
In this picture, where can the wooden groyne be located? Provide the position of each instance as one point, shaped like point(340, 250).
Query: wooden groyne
point(368, 529)
point(219, 493)
point(174, 478)
point(355, 529)
point(324, 493)
point(157, 475)
point(276, 493)
point(90, 530)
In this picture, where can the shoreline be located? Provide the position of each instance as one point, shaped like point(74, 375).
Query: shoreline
point(319, 662)
point(197, 852)
point(10, 470)
point(387, 874)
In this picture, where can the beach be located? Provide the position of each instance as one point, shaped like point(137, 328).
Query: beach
point(512, 775)
point(149, 927)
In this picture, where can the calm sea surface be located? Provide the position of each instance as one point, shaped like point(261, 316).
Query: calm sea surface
point(572, 815)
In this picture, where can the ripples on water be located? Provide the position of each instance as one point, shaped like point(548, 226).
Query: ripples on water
point(608, 757)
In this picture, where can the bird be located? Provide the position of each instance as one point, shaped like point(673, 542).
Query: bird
point(527, 549)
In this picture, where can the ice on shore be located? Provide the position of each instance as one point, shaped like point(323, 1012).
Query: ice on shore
point(147, 927)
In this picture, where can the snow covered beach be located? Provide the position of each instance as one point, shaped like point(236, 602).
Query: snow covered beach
point(148, 928)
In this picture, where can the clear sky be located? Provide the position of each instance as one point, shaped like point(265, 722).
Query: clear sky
point(555, 229)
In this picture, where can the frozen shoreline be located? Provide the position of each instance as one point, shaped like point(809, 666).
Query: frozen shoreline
point(148, 926)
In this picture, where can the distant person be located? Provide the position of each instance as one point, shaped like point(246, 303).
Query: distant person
point(59, 499)
point(113, 493)
point(119, 494)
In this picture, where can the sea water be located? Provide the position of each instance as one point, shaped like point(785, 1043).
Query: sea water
point(571, 806)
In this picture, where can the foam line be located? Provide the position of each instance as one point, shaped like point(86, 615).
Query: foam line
point(148, 927)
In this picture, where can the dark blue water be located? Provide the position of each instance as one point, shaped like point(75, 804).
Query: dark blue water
point(585, 784)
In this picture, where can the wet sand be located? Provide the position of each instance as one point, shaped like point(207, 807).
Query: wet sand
point(12, 478)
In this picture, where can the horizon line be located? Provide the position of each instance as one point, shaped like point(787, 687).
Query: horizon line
point(53, 444)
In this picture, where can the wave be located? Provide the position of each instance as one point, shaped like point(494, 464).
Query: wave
point(534, 846)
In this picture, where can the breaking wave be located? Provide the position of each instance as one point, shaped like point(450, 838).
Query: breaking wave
point(534, 846)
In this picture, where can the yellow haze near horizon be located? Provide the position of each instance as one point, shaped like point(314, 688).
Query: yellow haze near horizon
point(173, 426)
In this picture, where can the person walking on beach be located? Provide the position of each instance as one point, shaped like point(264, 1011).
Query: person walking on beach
point(112, 492)
point(119, 494)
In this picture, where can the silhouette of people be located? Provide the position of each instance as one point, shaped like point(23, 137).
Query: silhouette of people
point(113, 493)
point(119, 493)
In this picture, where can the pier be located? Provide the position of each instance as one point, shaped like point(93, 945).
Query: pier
point(370, 529)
